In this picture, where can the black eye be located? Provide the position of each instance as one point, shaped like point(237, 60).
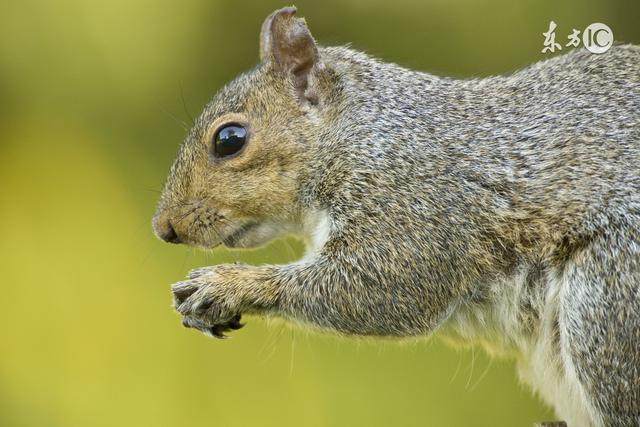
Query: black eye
point(229, 140)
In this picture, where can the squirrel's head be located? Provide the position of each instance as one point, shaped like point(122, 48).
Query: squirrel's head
point(237, 177)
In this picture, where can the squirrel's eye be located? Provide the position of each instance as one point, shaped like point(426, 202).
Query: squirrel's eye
point(229, 140)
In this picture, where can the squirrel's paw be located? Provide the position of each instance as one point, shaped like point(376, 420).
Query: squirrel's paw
point(208, 302)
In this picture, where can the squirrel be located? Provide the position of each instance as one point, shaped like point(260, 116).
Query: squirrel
point(503, 211)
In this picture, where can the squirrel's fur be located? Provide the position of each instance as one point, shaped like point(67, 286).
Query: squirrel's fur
point(505, 209)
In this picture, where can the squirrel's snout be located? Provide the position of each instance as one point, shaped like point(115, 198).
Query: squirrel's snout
point(164, 230)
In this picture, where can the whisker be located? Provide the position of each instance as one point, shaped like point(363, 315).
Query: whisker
point(286, 243)
point(184, 106)
point(177, 120)
point(213, 229)
point(186, 215)
point(152, 190)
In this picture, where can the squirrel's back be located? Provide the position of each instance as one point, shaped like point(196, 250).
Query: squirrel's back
point(557, 143)
point(568, 92)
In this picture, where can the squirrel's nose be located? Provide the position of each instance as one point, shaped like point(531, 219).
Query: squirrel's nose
point(164, 230)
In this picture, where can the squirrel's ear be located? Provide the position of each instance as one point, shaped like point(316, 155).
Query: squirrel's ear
point(286, 42)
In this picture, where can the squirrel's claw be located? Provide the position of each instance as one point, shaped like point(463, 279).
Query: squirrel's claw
point(235, 322)
point(217, 332)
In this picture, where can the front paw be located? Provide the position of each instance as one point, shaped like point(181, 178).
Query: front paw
point(209, 301)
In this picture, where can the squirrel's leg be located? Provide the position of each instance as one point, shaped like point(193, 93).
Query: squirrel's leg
point(328, 294)
point(599, 322)
point(317, 292)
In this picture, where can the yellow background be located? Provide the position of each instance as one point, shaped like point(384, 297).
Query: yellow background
point(92, 99)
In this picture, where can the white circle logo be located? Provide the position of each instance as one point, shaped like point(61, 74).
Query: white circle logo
point(597, 38)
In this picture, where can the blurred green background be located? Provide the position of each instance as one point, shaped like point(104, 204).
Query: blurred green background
point(93, 96)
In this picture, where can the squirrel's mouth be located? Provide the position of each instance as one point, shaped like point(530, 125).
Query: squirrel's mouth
point(234, 239)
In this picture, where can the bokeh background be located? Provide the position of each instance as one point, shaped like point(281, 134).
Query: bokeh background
point(94, 100)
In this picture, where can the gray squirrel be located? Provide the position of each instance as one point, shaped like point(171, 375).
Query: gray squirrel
point(503, 211)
